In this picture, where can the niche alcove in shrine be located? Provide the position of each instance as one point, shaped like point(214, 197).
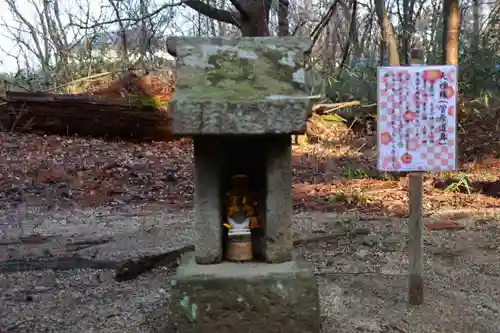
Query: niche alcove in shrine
point(245, 158)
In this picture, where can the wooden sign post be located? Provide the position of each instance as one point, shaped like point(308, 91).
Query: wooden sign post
point(416, 125)
point(415, 221)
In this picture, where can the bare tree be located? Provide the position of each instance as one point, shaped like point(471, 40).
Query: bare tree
point(46, 38)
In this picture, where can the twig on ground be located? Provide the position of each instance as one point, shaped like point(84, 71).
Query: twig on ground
point(84, 244)
point(394, 327)
point(327, 272)
point(322, 238)
point(17, 324)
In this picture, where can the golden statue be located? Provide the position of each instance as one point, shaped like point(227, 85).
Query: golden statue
point(240, 214)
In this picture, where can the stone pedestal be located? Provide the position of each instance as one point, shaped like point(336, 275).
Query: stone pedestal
point(244, 298)
point(240, 100)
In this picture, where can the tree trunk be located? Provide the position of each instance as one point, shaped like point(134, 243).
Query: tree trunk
point(476, 31)
point(251, 16)
point(451, 15)
point(256, 25)
point(434, 33)
point(405, 45)
point(388, 48)
point(283, 24)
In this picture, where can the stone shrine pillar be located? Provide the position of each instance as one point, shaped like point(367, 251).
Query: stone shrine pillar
point(240, 100)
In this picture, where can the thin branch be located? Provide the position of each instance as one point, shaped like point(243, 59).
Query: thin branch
point(129, 19)
point(322, 24)
point(298, 26)
point(202, 8)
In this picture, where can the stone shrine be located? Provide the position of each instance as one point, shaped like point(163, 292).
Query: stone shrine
point(241, 100)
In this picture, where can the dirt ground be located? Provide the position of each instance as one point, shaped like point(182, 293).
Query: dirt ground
point(93, 202)
point(363, 282)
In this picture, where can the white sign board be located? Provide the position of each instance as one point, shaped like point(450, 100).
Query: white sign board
point(416, 121)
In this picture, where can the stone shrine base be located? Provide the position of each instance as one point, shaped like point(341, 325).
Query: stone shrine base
point(244, 297)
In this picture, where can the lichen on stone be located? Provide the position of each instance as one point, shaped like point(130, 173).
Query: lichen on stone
point(248, 69)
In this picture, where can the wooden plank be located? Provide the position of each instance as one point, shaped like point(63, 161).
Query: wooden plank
point(415, 221)
point(415, 240)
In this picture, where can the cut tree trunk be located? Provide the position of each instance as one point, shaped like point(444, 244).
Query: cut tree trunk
point(84, 116)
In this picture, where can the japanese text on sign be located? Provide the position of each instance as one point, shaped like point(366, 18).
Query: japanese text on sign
point(416, 122)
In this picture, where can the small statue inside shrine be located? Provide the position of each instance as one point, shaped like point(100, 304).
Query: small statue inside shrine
point(240, 219)
point(240, 210)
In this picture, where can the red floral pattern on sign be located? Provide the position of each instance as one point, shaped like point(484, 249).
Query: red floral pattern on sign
point(385, 138)
point(406, 158)
point(451, 111)
point(431, 76)
point(449, 92)
point(409, 116)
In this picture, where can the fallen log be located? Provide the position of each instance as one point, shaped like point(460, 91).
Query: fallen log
point(84, 115)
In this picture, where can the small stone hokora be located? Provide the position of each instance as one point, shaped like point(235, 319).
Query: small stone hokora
point(240, 213)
